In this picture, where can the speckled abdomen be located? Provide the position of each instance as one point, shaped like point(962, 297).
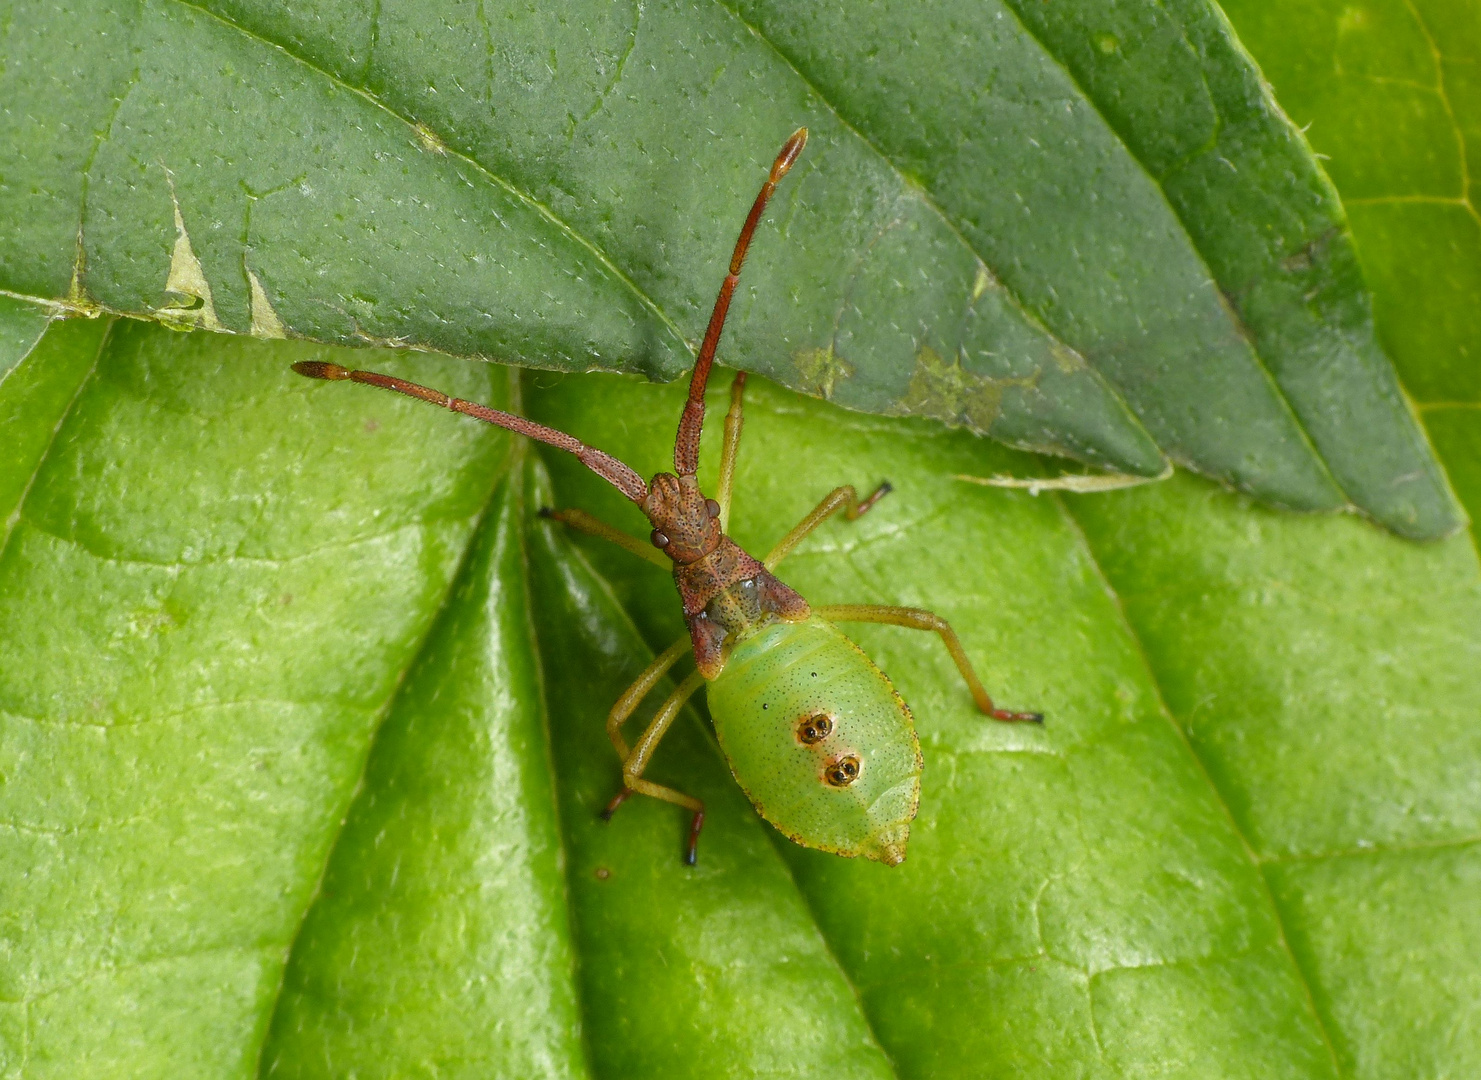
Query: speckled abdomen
point(818, 738)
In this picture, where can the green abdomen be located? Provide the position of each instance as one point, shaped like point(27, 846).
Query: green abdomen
point(796, 704)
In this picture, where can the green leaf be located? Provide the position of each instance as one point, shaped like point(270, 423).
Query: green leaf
point(1389, 95)
point(21, 326)
point(300, 707)
point(1081, 228)
point(186, 607)
point(302, 753)
point(39, 376)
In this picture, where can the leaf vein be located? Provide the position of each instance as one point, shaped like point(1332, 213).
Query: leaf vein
point(606, 91)
point(138, 965)
point(511, 463)
point(1303, 976)
point(1438, 59)
point(155, 718)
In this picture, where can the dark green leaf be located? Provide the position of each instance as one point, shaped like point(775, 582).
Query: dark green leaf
point(1079, 229)
point(1389, 94)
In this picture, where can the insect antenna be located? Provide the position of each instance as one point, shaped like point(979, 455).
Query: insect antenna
point(603, 464)
point(686, 445)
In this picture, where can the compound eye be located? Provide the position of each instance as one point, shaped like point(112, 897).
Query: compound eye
point(659, 539)
point(843, 772)
point(712, 508)
point(814, 729)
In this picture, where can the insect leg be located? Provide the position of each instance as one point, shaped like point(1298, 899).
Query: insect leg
point(733, 422)
point(637, 761)
point(917, 619)
point(634, 694)
point(678, 798)
point(581, 521)
point(841, 498)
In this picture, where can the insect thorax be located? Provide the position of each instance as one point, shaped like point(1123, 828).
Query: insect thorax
point(738, 609)
point(727, 596)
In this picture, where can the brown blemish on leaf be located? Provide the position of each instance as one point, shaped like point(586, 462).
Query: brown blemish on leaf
point(944, 391)
point(1311, 253)
point(428, 138)
point(1065, 358)
point(821, 370)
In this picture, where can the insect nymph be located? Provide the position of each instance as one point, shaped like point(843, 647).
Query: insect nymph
point(814, 732)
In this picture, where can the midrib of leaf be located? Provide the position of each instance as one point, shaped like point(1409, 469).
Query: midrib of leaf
point(848, 980)
point(15, 515)
point(794, 66)
point(546, 748)
point(513, 459)
point(1083, 541)
point(375, 34)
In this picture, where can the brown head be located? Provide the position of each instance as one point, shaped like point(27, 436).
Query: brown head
point(686, 525)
